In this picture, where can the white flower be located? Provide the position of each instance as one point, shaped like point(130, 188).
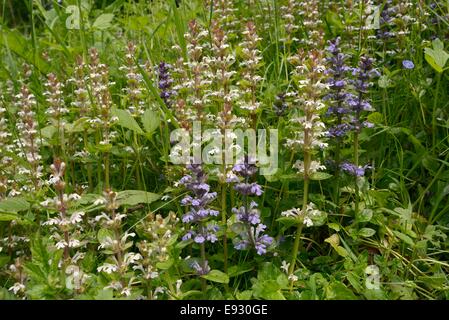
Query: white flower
point(17, 287)
point(99, 201)
point(166, 197)
point(61, 244)
point(77, 217)
point(108, 268)
point(292, 278)
point(285, 266)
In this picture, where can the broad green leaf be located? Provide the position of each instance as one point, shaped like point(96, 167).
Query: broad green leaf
point(375, 117)
point(134, 197)
point(103, 234)
point(164, 265)
point(217, 276)
point(365, 215)
point(103, 21)
point(244, 295)
point(77, 126)
point(320, 176)
point(436, 57)
point(334, 226)
point(4, 259)
point(404, 238)
point(150, 121)
point(13, 205)
point(15, 42)
point(338, 291)
point(384, 82)
point(333, 240)
point(104, 294)
point(239, 269)
point(274, 295)
point(126, 120)
point(8, 216)
point(366, 232)
point(48, 132)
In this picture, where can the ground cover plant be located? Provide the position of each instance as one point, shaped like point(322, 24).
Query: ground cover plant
point(224, 149)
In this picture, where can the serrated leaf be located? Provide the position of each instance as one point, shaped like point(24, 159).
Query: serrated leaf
point(134, 197)
point(126, 120)
point(217, 276)
point(103, 21)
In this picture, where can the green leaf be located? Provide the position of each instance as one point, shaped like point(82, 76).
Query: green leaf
point(3, 260)
point(384, 82)
point(48, 132)
point(217, 276)
point(150, 121)
point(320, 176)
point(104, 294)
point(244, 295)
point(404, 238)
point(366, 232)
point(164, 265)
point(103, 234)
point(375, 117)
point(338, 291)
point(436, 57)
point(77, 126)
point(103, 21)
point(334, 226)
point(126, 120)
point(8, 216)
point(238, 270)
point(365, 215)
point(13, 205)
point(134, 197)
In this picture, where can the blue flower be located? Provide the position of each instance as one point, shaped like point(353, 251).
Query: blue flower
point(353, 170)
point(199, 201)
point(407, 64)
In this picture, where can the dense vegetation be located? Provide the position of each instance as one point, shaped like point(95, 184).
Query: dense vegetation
point(93, 207)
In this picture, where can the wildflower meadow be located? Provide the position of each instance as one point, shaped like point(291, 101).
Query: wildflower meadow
point(224, 149)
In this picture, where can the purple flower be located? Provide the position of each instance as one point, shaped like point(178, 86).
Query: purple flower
point(248, 189)
point(246, 169)
point(198, 201)
point(248, 215)
point(354, 170)
point(165, 82)
point(407, 64)
point(200, 270)
point(279, 105)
